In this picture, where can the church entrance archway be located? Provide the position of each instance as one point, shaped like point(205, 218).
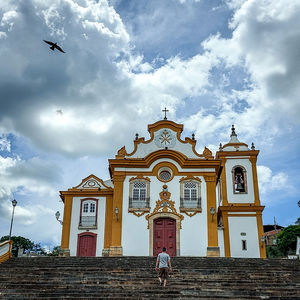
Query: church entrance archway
point(86, 245)
point(164, 235)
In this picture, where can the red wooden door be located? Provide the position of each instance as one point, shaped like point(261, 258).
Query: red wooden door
point(86, 244)
point(164, 235)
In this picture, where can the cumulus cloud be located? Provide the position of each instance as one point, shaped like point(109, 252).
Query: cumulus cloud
point(269, 182)
point(4, 144)
point(264, 47)
point(96, 81)
point(242, 79)
point(26, 178)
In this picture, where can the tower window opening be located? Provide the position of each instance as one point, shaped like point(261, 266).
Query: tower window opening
point(239, 180)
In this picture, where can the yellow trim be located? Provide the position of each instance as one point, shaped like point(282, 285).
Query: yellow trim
point(226, 234)
point(241, 215)
point(255, 181)
point(223, 154)
point(4, 257)
point(260, 230)
point(241, 207)
point(116, 237)
point(212, 226)
point(178, 157)
point(224, 184)
point(108, 222)
point(65, 237)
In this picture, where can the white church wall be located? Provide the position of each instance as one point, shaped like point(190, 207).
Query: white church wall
point(135, 235)
point(243, 228)
point(139, 242)
point(239, 198)
point(194, 229)
point(74, 231)
point(221, 242)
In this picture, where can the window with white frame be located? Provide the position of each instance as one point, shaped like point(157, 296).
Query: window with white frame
point(88, 213)
point(139, 194)
point(190, 194)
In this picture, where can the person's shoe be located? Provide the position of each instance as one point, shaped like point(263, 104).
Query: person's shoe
point(161, 283)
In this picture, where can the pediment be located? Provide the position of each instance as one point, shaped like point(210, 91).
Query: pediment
point(91, 182)
point(164, 135)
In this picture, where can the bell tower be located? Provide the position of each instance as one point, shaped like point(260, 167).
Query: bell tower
point(240, 211)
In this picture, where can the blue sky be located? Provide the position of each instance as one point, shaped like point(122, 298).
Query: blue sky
point(211, 63)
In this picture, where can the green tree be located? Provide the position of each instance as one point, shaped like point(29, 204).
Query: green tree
point(18, 242)
point(273, 251)
point(37, 248)
point(298, 221)
point(287, 239)
point(55, 251)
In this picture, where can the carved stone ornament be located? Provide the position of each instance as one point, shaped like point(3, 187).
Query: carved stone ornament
point(207, 153)
point(165, 138)
point(122, 152)
point(138, 213)
point(165, 206)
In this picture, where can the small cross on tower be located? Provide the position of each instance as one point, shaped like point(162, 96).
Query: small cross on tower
point(165, 111)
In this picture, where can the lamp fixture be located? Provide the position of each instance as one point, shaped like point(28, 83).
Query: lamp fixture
point(57, 215)
point(212, 212)
point(117, 213)
point(14, 203)
point(263, 239)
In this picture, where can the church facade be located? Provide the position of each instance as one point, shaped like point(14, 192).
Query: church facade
point(166, 194)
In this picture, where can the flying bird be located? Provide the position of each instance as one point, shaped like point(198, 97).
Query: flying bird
point(54, 45)
point(59, 112)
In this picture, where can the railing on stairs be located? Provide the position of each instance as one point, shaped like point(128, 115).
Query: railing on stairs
point(5, 250)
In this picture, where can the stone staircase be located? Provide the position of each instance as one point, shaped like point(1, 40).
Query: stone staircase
point(135, 278)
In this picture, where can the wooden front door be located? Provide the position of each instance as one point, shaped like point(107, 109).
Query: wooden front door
point(86, 244)
point(164, 235)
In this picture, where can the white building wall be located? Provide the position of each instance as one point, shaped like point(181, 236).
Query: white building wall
point(74, 231)
point(239, 198)
point(238, 226)
point(136, 235)
point(221, 242)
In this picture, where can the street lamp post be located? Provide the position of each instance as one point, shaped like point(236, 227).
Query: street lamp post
point(14, 203)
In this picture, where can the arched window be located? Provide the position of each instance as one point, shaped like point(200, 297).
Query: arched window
point(139, 194)
point(88, 213)
point(239, 179)
point(190, 194)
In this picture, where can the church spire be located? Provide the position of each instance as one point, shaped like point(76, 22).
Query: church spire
point(233, 136)
point(234, 144)
point(233, 131)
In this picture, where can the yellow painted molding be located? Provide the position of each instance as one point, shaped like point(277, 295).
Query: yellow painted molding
point(223, 181)
point(255, 180)
point(108, 221)
point(212, 224)
point(65, 238)
point(226, 234)
point(116, 236)
point(260, 230)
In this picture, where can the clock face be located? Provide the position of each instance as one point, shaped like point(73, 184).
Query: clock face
point(165, 138)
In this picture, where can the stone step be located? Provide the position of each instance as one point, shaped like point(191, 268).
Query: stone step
point(135, 278)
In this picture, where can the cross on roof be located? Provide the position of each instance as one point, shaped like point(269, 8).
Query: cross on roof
point(165, 111)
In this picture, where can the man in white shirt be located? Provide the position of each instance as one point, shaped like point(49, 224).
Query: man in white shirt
point(163, 263)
